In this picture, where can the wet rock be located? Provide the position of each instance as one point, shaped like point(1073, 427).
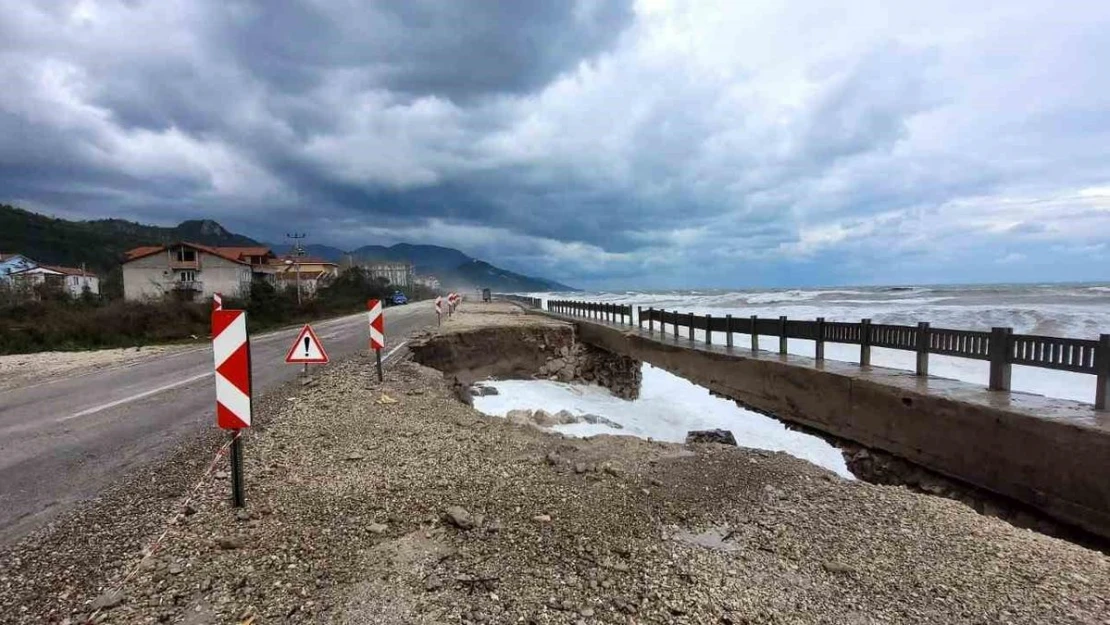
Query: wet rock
point(479, 390)
point(839, 568)
point(600, 420)
point(459, 517)
point(230, 542)
point(723, 437)
point(108, 600)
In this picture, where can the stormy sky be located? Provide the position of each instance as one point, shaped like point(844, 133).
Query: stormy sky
point(606, 144)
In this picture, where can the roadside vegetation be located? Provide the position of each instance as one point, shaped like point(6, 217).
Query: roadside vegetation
point(48, 319)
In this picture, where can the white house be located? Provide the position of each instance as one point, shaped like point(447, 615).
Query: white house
point(187, 271)
point(75, 281)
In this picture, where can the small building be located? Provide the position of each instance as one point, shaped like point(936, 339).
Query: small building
point(312, 273)
point(430, 282)
point(72, 280)
point(12, 263)
point(189, 271)
point(396, 273)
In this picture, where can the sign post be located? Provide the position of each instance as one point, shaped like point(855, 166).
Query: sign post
point(231, 354)
point(439, 310)
point(307, 349)
point(377, 331)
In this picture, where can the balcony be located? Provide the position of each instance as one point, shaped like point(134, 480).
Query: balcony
point(186, 285)
point(185, 264)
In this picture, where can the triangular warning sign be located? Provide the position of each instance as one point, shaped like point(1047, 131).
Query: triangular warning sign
point(307, 348)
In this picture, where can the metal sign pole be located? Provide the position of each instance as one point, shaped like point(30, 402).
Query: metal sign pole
point(237, 496)
point(378, 354)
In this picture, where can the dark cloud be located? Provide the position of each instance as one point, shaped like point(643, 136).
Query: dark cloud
point(591, 140)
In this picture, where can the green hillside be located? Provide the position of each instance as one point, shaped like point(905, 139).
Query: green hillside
point(98, 244)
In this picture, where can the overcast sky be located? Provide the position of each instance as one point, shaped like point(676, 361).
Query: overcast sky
point(656, 143)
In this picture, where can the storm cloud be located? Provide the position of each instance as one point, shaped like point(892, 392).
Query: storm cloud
point(601, 143)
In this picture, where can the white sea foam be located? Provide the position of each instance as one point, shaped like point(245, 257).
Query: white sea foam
point(667, 409)
point(1078, 311)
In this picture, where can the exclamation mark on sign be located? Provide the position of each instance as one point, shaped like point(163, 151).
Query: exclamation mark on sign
point(306, 347)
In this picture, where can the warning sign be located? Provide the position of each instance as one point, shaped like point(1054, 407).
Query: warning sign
point(307, 349)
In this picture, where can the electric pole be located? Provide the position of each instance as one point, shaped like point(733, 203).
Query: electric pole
point(298, 252)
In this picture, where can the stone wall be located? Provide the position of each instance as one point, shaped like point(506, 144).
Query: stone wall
point(592, 365)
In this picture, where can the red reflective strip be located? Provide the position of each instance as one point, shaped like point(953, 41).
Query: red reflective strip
point(221, 319)
point(236, 369)
point(227, 419)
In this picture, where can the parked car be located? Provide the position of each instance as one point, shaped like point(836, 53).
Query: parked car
point(398, 298)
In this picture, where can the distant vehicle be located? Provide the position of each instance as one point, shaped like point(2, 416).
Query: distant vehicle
point(485, 295)
point(398, 298)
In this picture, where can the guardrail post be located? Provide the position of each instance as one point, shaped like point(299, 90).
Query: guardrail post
point(1102, 371)
point(819, 348)
point(865, 343)
point(923, 348)
point(691, 326)
point(640, 316)
point(782, 335)
point(728, 331)
point(651, 322)
point(1000, 359)
point(755, 335)
point(708, 329)
point(676, 325)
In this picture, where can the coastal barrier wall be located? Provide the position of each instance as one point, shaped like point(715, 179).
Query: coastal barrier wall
point(1047, 453)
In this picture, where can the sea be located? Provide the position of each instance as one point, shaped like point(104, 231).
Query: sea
point(670, 406)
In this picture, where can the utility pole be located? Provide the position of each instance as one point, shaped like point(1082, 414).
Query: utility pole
point(298, 252)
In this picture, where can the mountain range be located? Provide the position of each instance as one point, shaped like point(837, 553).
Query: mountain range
point(452, 267)
point(99, 245)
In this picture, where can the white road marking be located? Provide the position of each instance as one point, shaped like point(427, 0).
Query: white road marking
point(153, 391)
point(393, 351)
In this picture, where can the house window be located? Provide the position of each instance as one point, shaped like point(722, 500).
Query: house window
point(186, 255)
point(187, 276)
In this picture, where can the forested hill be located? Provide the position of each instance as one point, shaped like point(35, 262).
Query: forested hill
point(99, 244)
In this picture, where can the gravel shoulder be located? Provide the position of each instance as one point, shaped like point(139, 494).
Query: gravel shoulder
point(396, 503)
point(20, 370)
point(492, 315)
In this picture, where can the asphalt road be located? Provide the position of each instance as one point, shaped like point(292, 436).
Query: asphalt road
point(64, 440)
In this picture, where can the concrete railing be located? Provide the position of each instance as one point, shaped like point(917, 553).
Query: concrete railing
point(1000, 347)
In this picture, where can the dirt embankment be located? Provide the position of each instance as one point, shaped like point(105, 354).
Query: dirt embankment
point(500, 341)
point(396, 503)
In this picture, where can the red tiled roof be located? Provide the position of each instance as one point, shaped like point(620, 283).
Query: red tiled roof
point(69, 271)
point(291, 276)
point(304, 260)
point(240, 252)
point(143, 252)
point(140, 252)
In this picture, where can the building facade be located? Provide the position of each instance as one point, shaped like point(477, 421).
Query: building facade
point(76, 282)
point(396, 273)
point(430, 282)
point(186, 271)
point(313, 273)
